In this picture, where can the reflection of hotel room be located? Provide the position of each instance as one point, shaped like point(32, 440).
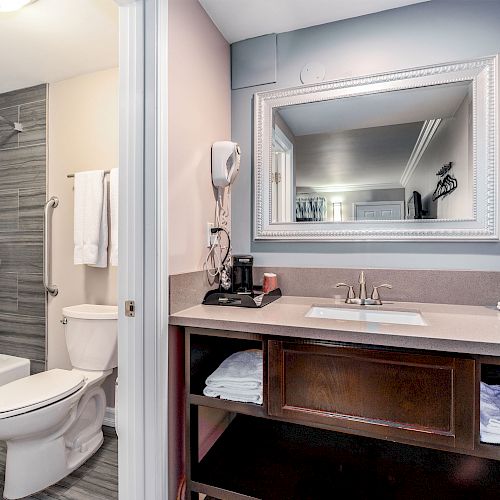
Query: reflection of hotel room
point(352, 160)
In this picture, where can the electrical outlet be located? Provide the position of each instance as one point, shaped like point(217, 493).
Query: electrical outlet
point(210, 236)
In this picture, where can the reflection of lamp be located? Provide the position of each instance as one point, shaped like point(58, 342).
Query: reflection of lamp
point(337, 211)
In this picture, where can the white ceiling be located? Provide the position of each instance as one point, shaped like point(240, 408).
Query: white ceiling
point(375, 110)
point(242, 19)
point(365, 140)
point(373, 156)
point(52, 40)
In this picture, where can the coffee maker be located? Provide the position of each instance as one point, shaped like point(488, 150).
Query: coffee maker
point(242, 281)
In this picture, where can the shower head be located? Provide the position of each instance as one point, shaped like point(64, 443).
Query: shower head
point(17, 126)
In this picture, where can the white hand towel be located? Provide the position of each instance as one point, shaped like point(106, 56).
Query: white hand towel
point(243, 368)
point(113, 201)
point(91, 219)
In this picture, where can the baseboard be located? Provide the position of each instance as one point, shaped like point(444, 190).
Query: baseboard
point(109, 417)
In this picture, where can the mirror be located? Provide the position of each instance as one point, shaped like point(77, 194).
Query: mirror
point(396, 156)
point(375, 157)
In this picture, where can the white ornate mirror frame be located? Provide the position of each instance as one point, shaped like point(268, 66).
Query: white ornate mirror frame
point(481, 227)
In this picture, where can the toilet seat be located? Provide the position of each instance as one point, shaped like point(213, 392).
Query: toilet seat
point(37, 391)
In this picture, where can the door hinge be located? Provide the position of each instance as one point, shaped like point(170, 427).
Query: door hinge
point(130, 308)
point(276, 177)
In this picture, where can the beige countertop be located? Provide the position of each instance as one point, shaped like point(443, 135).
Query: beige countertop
point(454, 328)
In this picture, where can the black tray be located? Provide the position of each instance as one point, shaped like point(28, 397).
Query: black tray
point(256, 299)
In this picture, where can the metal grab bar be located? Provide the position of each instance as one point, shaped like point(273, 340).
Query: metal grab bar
point(52, 289)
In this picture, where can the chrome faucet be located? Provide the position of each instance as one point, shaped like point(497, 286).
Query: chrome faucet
point(363, 300)
point(362, 286)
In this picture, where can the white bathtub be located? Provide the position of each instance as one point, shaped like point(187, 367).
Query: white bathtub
point(12, 368)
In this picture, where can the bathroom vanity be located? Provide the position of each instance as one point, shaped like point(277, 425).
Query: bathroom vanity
point(326, 379)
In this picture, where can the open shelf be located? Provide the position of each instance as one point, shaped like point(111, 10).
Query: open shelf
point(268, 459)
point(208, 352)
point(489, 374)
point(231, 406)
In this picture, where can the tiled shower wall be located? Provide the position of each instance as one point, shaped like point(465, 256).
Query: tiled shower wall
point(22, 195)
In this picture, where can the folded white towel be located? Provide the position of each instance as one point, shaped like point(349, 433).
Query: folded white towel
point(113, 201)
point(490, 390)
point(91, 219)
point(248, 396)
point(489, 437)
point(489, 413)
point(244, 386)
point(244, 369)
point(494, 423)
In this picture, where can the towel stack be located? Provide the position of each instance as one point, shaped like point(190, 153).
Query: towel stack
point(490, 413)
point(238, 378)
point(91, 218)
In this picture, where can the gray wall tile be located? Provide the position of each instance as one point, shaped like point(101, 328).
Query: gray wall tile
point(31, 295)
point(22, 195)
point(23, 96)
point(22, 336)
point(24, 167)
point(8, 136)
point(33, 118)
point(8, 292)
point(31, 202)
point(37, 366)
point(21, 252)
point(9, 209)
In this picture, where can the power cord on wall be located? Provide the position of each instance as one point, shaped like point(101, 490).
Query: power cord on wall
point(217, 261)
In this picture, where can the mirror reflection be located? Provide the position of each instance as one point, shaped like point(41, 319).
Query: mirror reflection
point(404, 154)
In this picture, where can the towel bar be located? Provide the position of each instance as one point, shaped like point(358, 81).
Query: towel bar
point(70, 176)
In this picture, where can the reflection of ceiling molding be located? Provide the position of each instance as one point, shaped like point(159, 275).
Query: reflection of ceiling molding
point(340, 188)
point(429, 128)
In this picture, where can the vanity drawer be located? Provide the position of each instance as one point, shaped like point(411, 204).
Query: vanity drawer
point(390, 395)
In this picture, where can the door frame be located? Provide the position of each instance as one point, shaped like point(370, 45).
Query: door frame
point(287, 187)
point(142, 274)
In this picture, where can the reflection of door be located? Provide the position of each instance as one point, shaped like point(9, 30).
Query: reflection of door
point(281, 180)
point(379, 210)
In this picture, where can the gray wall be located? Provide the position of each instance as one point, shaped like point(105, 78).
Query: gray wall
point(22, 194)
point(434, 32)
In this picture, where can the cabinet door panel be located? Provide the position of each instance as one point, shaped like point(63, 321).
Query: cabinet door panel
point(388, 394)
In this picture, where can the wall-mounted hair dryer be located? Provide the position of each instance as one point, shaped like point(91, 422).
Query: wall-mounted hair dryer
point(225, 163)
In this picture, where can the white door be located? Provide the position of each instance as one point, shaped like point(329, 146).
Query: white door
point(282, 199)
point(378, 211)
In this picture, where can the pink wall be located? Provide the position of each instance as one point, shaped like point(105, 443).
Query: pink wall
point(199, 114)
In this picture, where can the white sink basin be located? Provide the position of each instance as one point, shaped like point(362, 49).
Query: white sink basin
point(368, 315)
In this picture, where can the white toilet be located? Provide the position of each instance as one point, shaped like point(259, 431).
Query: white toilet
point(52, 421)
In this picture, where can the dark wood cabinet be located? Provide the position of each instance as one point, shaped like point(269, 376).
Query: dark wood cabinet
point(391, 395)
point(429, 400)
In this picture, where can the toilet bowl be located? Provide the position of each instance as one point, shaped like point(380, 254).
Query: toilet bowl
point(52, 421)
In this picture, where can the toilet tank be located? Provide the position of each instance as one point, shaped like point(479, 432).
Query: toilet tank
point(92, 336)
